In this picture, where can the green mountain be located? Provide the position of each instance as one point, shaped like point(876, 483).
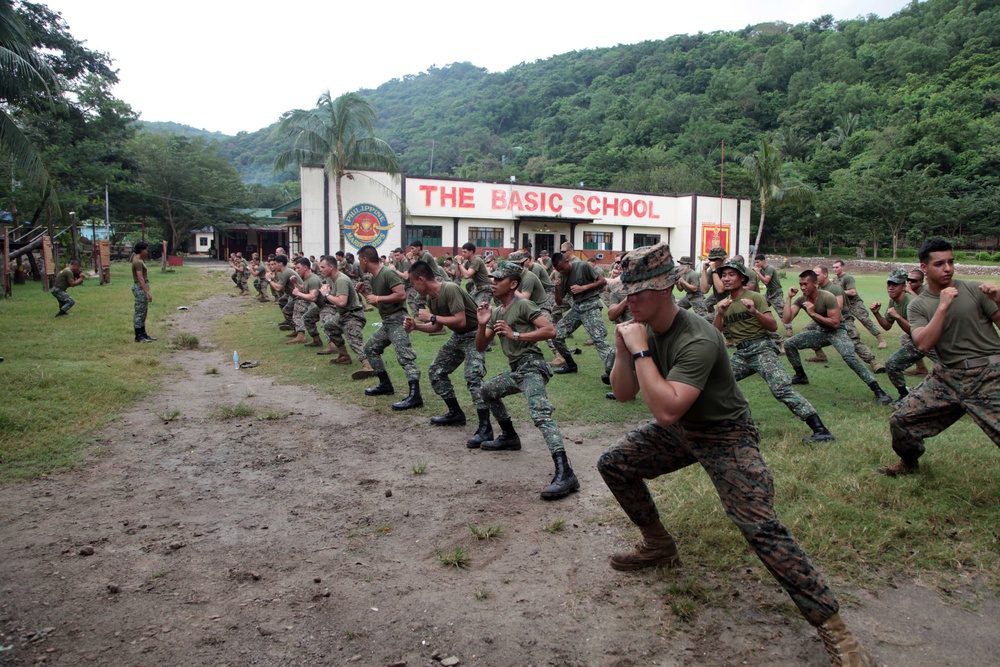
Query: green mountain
point(169, 127)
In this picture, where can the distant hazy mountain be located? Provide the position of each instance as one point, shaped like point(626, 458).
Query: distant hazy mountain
point(169, 127)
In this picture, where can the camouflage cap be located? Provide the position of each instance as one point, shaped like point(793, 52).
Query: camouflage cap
point(739, 267)
point(649, 268)
point(897, 276)
point(506, 269)
point(518, 257)
point(717, 253)
point(686, 259)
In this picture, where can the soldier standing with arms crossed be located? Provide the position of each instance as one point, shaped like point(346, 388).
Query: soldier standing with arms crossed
point(141, 292)
point(679, 363)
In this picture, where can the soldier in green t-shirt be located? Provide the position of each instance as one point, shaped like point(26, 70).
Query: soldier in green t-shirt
point(861, 350)
point(472, 267)
point(71, 276)
point(283, 280)
point(340, 311)
point(748, 317)
point(767, 276)
point(689, 282)
point(825, 311)
point(305, 294)
point(895, 313)
point(449, 306)
point(959, 320)
point(853, 302)
point(678, 362)
point(519, 324)
point(389, 296)
point(141, 292)
point(580, 280)
point(549, 303)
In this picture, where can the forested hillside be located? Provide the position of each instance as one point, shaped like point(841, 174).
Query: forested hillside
point(893, 121)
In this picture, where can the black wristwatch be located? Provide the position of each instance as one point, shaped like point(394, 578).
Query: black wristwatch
point(434, 319)
point(639, 355)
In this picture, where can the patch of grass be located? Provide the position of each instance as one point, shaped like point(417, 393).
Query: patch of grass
point(212, 371)
point(418, 468)
point(555, 526)
point(482, 594)
point(487, 533)
point(235, 411)
point(377, 528)
point(169, 415)
point(271, 415)
point(157, 574)
point(185, 341)
point(457, 559)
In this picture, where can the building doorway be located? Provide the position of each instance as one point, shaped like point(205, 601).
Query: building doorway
point(544, 242)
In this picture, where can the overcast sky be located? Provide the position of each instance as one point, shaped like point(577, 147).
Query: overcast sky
point(229, 66)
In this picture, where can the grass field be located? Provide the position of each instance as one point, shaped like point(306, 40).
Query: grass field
point(66, 378)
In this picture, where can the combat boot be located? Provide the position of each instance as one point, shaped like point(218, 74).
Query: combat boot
point(315, 342)
point(900, 467)
point(292, 333)
point(299, 338)
point(882, 397)
point(285, 326)
point(657, 548)
point(342, 358)
point(818, 358)
point(903, 392)
point(820, 432)
point(569, 367)
point(508, 439)
point(454, 416)
point(877, 368)
point(558, 361)
point(800, 376)
point(329, 349)
point(881, 342)
point(364, 373)
point(149, 339)
point(844, 647)
point(139, 338)
point(485, 431)
point(564, 482)
point(919, 369)
point(412, 399)
point(383, 388)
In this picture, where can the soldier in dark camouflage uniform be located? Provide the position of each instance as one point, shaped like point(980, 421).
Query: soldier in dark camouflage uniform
point(861, 351)
point(750, 321)
point(853, 302)
point(585, 284)
point(71, 276)
point(679, 363)
point(959, 319)
point(520, 325)
point(141, 291)
point(283, 280)
point(689, 283)
point(824, 309)
point(895, 311)
point(448, 305)
point(388, 295)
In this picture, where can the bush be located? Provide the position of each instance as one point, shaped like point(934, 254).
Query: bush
point(960, 256)
point(996, 257)
point(984, 257)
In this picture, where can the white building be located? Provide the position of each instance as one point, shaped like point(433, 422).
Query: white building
point(389, 212)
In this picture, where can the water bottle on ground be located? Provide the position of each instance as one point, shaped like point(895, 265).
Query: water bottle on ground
point(236, 360)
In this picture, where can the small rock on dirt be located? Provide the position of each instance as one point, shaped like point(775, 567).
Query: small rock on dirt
point(177, 545)
point(86, 550)
point(388, 493)
point(451, 661)
point(113, 587)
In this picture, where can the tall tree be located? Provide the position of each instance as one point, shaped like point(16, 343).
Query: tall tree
point(339, 134)
point(772, 181)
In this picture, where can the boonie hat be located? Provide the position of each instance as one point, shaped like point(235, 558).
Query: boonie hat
point(506, 269)
point(717, 253)
point(739, 267)
point(649, 268)
point(686, 259)
point(897, 276)
point(517, 257)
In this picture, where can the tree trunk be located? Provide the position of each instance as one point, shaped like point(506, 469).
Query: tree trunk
point(340, 213)
point(760, 229)
point(34, 245)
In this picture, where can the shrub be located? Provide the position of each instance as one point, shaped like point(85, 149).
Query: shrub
point(984, 257)
point(996, 257)
point(960, 256)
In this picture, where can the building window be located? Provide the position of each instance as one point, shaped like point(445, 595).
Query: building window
point(486, 237)
point(597, 240)
point(642, 240)
point(202, 241)
point(425, 234)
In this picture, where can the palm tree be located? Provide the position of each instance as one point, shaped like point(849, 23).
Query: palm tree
point(339, 134)
point(23, 73)
point(773, 181)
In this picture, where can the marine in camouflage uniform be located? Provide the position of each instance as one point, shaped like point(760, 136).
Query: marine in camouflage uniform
point(824, 310)
point(704, 419)
point(283, 280)
point(401, 263)
point(967, 379)
point(586, 310)
point(389, 296)
point(854, 303)
point(520, 325)
point(339, 312)
point(304, 296)
point(861, 350)
point(768, 276)
point(449, 306)
point(546, 303)
point(895, 311)
point(68, 277)
point(750, 322)
point(142, 292)
point(710, 283)
point(474, 269)
point(259, 270)
point(689, 283)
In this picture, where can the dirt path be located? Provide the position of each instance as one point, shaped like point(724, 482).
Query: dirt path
point(252, 542)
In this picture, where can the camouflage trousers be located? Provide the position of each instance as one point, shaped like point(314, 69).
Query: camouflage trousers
point(299, 308)
point(777, 301)
point(903, 358)
point(141, 306)
point(316, 313)
point(546, 306)
point(528, 375)
point(65, 300)
point(483, 295)
point(940, 400)
point(728, 451)
point(817, 338)
point(588, 314)
point(695, 303)
point(861, 351)
point(287, 305)
point(350, 325)
point(761, 356)
point(258, 284)
point(414, 301)
point(392, 333)
point(863, 315)
point(458, 349)
point(240, 279)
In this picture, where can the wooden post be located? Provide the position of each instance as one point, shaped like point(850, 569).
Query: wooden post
point(75, 250)
point(55, 247)
point(163, 258)
point(8, 289)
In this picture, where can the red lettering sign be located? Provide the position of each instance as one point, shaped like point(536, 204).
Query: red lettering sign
point(466, 198)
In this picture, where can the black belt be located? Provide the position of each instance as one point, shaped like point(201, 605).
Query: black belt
point(978, 362)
